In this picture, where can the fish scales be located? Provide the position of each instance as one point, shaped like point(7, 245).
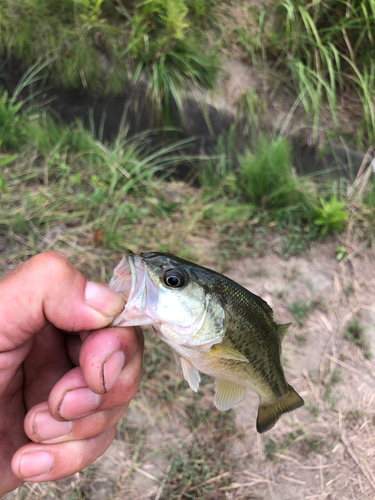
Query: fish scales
point(241, 328)
point(213, 325)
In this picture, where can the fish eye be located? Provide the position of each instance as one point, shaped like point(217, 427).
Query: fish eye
point(174, 278)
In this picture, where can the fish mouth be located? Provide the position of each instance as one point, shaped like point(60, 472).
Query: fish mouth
point(132, 281)
point(123, 279)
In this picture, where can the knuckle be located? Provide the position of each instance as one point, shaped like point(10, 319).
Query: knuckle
point(53, 261)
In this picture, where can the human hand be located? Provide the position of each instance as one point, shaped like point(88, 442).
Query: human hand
point(63, 387)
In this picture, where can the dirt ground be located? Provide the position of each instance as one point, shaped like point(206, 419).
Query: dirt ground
point(324, 450)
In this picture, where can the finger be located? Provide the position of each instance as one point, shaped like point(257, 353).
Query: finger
point(41, 427)
point(46, 363)
point(71, 397)
point(73, 346)
point(104, 354)
point(48, 288)
point(12, 435)
point(49, 462)
point(10, 363)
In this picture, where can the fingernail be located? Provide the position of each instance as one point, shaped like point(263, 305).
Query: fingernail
point(35, 464)
point(112, 369)
point(103, 299)
point(78, 403)
point(46, 427)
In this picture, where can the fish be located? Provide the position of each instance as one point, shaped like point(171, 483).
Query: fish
point(213, 326)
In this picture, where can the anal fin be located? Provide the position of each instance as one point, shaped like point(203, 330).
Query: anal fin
point(269, 414)
point(191, 374)
point(228, 394)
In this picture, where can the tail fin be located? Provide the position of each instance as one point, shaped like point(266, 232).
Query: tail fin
point(269, 414)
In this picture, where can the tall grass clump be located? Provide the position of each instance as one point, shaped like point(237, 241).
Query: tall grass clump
point(10, 122)
point(266, 177)
point(102, 45)
point(325, 50)
point(217, 172)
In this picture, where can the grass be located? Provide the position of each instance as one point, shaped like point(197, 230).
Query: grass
point(101, 45)
point(323, 51)
point(301, 310)
point(355, 332)
point(66, 188)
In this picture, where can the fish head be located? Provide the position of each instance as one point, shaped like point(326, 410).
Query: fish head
point(164, 291)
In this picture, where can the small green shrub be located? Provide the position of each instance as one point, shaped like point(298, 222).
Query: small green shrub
point(90, 11)
point(330, 216)
point(266, 177)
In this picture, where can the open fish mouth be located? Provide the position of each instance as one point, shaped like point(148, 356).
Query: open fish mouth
point(132, 281)
point(124, 277)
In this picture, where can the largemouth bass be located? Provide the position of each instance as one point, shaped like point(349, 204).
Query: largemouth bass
point(213, 325)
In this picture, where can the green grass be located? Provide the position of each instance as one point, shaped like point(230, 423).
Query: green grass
point(101, 46)
point(321, 50)
point(355, 332)
point(301, 310)
point(66, 189)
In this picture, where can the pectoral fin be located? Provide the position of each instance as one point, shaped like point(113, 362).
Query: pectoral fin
point(191, 374)
point(226, 352)
point(228, 394)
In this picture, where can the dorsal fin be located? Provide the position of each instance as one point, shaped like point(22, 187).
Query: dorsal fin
point(282, 329)
point(267, 308)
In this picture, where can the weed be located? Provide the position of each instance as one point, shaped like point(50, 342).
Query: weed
point(329, 216)
point(354, 415)
point(301, 338)
point(271, 447)
point(11, 132)
point(331, 379)
point(266, 178)
point(356, 333)
point(340, 252)
point(312, 409)
point(216, 174)
point(301, 309)
point(90, 12)
point(317, 445)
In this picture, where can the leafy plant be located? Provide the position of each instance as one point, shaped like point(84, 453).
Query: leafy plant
point(90, 11)
point(10, 122)
point(330, 216)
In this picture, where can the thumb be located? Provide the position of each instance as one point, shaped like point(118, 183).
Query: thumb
point(49, 289)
